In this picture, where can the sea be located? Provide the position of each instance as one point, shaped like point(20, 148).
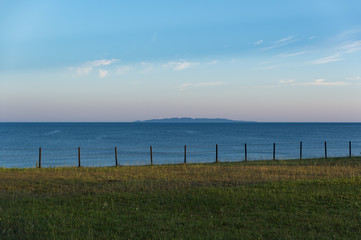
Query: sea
point(140, 143)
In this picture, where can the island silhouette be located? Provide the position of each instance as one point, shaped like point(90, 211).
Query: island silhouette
point(193, 120)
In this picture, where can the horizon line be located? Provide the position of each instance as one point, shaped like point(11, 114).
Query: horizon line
point(147, 121)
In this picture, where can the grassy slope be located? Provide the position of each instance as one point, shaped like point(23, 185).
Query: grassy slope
point(318, 199)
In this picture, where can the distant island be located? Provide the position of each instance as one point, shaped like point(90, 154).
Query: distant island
point(193, 120)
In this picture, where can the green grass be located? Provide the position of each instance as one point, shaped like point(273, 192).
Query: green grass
point(308, 199)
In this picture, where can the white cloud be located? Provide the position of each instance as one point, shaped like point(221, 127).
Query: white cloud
point(103, 73)
point(333, 58)
point(323, 82)
point(180, 65)
point(101, 62)
point(122, 70)
point(213, 62)
point(258, 42)
point(83, 70)
point(312, 37)
point(87, 67)
point(147, 67)
point(286, 81)
point(355, 78)
point(200, 84)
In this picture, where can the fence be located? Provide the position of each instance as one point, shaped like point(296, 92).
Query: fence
point(52, 157)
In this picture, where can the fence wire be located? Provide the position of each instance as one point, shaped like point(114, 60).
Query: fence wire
point(158, 154)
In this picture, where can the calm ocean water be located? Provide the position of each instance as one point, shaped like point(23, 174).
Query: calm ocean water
point(20, 142)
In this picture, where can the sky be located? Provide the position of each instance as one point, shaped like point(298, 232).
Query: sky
point(115, 61)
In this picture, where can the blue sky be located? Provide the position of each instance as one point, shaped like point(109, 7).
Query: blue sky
point(134, 60)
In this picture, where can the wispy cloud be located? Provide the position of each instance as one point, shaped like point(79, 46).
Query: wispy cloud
point(340, 52)
point(279, 43)
point(270, 67)
point(317, 82)
point(286, 81)
point(208, 84)
point(348, 34)
point(213, 62)
point(292, 54)
point(185, 85)
point(286, 39)
point(200, 84)
point(350, 47)
point(180, 65)
point(103, 73)
point(332, 58)
point(258, 42)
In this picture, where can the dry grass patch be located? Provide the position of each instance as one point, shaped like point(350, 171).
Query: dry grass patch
point(148, 178)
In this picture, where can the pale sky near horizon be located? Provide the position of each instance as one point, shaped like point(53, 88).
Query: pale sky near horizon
point(289, 61)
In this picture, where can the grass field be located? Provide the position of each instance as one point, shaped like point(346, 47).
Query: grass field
point(308, 199)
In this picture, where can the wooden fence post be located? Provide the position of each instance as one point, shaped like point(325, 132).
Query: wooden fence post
point(245, 152)
point(116, 157)
point(301, 150)
point(151, 155)
point(274, 151)
point(325, 150)
point(39, 157)
point(349, 148)
point(78, 156)
point(185, 154)
point(216, 153)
